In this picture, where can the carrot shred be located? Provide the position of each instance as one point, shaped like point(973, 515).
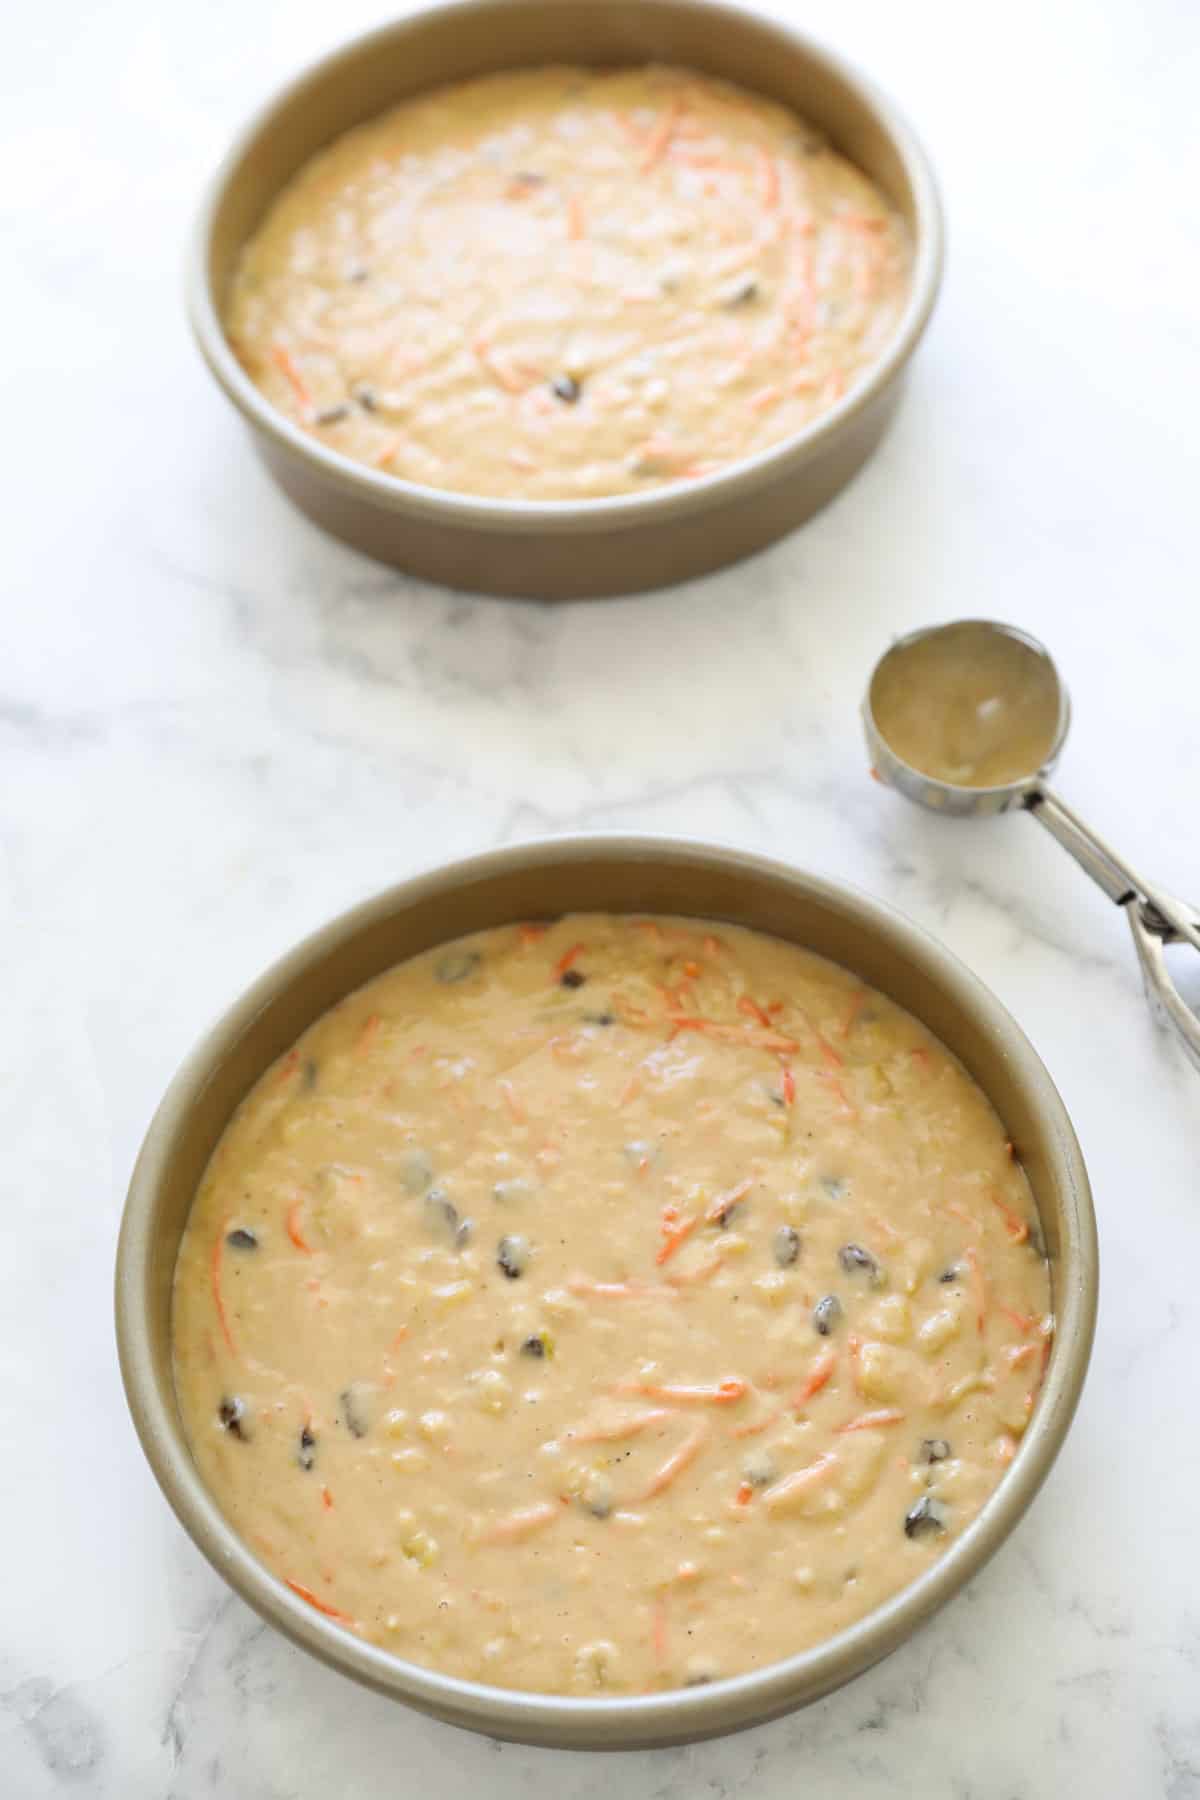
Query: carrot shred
point(503, 377)
point(386, 451)
point(215, 1270)
point(566, 959)
point(659, 141)
point(872, 1421)
point(288, 1067)
point(1018, 1354)
point(853, 1346)
point(1014, 1224)
point(822, 1368)
point(744, 1495)
point(780, 1492)
point(521, 1524)
point(789, 1086)
point(620, 1429)
point(619, 1290)
point(675, 1234)
point(1022, 1321)
point(658, 1629)
point(722, 1393)
point(960, 1212)
point(758, 1426)
point(849, 1110)
point(367, 1035)
point(322, 1606)
point(676, 1463)
point(530, 932)
point(752, 1009)
point(684, 1278)
point(734, 1034)
point(285, 363)
point(326, 1499)
point(292, 1222)
point(850, 1018)
point(978, 1286)
point(769, 179)
point(724, 1203)
point(513, 1102)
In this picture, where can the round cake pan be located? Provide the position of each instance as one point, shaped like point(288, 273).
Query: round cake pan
point(542, 880)
point(564, 549)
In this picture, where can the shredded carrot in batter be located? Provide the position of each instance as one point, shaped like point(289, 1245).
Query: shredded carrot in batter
point(293, 1227)
point(781, 1492)
point(503, 377)
point(872, 1421)
point(768, 179)
point(822, 1368)
point(620, 1290)
point(675, 1232)
point(658, 143)
point(759, 1426)
point(685, 1278)
point(723, 1393)
point(521, 1524)
point(854, 1345)
point(285, 363)
point(322, 1606)
point(513, 1102)
point(857, 1001)
point(849, 1110)
point(734, 1034)
point(724, 1203)
point(677, 1462)
point(215, 1270)
point(620, 1429)
point(659, 1628)
point(978, 1286)
point(566, 959)
point(1014, 1225)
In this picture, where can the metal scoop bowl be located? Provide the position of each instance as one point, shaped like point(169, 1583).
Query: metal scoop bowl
point(983, 707)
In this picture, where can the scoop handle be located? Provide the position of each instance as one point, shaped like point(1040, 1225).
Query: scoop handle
point(1156, 918)
point(1167, 917)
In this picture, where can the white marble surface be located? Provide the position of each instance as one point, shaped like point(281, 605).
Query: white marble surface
point(219, 728)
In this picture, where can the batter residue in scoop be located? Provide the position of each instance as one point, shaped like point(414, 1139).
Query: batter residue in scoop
point(564, 283)
point(606, 1337)
point(968, 704)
